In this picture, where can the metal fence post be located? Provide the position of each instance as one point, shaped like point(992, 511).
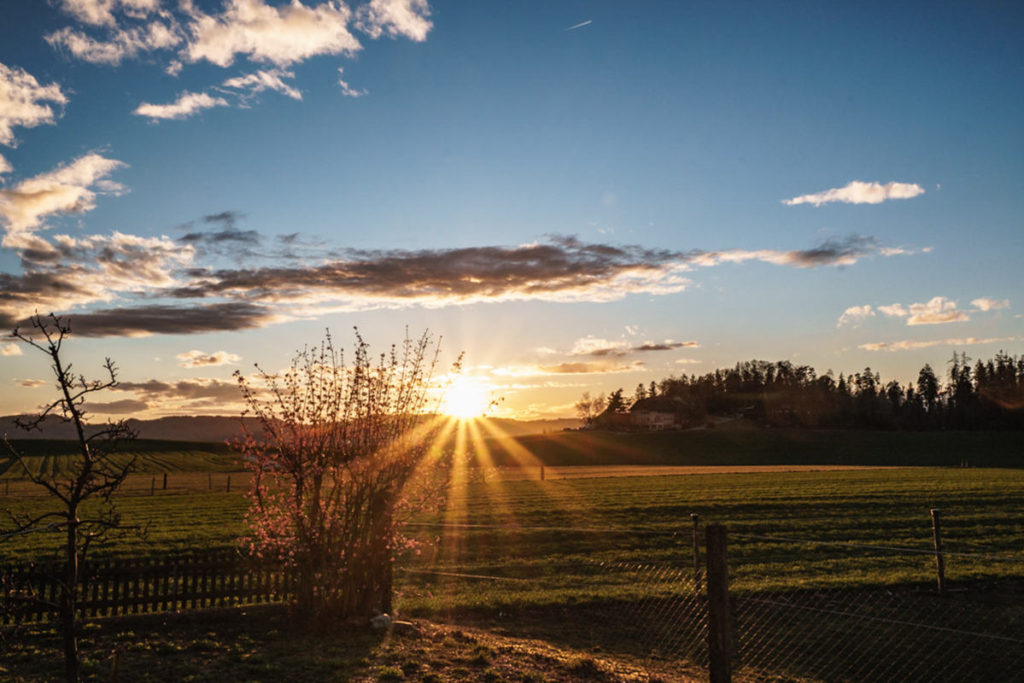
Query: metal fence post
point(940, 561)
point(719, 621)
point(695, 518)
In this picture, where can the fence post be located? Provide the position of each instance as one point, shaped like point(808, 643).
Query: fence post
point(719, 626)
point(695, 518)
point(940, 562)
point(165, 481)
point(542, 472)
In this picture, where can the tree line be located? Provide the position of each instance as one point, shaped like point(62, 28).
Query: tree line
point(983, 395)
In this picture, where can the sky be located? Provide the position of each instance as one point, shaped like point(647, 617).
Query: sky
point(579, 196)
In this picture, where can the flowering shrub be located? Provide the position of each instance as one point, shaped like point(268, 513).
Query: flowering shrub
point(342, 454)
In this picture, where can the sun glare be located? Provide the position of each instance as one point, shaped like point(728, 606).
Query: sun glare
point(465, 399)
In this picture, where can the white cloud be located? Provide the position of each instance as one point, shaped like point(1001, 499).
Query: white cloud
point(22, 102)
point(10, 349)
point(272, 79)
point(396, 18)
point(987, 304)
point(894, 311)
point(122, 44)
point(937, 311)
point(101, 12)
point(688, 361)
point(200, 359)
point(30, 383)
point(855, 315)
point(858, 192)
point(913, 344)
point(71, 188)
point(5, 166)
point(187, 104)
point(346, 89)
point(280, 35)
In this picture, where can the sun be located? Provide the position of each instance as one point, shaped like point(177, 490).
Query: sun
point(465, 399)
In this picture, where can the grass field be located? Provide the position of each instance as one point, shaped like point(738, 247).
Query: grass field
point(533, 528)
point(46, 456)
point(736, 443)
point(822, 564)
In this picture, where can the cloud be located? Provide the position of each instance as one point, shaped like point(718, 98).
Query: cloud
point(193, 393)
point(10, 349)
point(592, 346)
point(187, 104)
point(70, 188)
point(125, 406)
point(23, 102)
point(912, 344)
point(855, 315)
point(666, 345)
point(832, 252)
point(199, 359)
point(346, 89)
point(396, 18)
point(688, 361)
point(71, 272)
point(937, 311)
point(5, 166)
point(271, 79)
point(101, 12)
point(588, 22)
point(894, 311)
point(156, 285)
point(280, 35)
point(987, 304)
point(31, 383)
point(123, 43)
point(588, 368)
point(858, 192)
point(141, 321)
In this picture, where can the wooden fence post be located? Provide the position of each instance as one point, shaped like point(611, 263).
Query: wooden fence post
point(542, 472)
point(695, 518)
point(719, 621)
point(165, 481)
point(940, 561)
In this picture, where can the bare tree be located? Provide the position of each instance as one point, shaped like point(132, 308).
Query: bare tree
point(588, 408)
point(92, 473)
point(344, 451)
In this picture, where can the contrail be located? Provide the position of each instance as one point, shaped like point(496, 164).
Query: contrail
point(580, 25)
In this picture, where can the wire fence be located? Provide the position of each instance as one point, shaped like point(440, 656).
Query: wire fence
point(795, 609)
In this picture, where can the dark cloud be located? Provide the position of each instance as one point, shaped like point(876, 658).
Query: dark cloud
point(532, 271)
point(665, 346)
point(155, 390)
point(71, 273)
point(122, 407)
point(158, 319)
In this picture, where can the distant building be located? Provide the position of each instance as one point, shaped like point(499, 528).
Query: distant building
point(657, 413)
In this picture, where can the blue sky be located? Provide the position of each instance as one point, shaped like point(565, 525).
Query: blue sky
point(559, 189)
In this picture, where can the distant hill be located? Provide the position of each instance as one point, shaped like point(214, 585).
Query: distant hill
point(211, 429)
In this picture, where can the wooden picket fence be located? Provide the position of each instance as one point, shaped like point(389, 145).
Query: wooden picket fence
point(30, 593)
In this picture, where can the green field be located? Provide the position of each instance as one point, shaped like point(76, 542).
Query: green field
point(827, 568)
point(51, 456)
point(740, 443)
point(737, 443)
point(533, 528)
